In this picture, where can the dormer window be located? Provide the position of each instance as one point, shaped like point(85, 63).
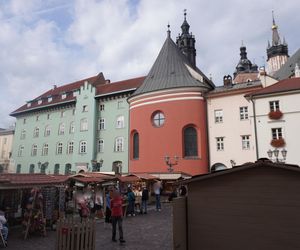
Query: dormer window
point(40, 101)
point(50, 99)
point(63, 96)
point(28, 104)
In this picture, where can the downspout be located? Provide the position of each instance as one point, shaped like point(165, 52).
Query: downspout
point(207, 137)
point(255, 128)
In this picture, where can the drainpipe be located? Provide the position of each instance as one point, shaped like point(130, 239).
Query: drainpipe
point(207, 137)
point(255, 128)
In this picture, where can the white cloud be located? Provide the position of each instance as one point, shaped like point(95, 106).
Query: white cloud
point(53, 41)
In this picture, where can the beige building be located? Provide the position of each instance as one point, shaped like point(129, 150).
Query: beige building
point(6, 141)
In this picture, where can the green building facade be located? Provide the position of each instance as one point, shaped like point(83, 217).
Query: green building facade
point(82, 126)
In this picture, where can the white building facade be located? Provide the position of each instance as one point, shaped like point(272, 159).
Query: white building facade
point(277, 109)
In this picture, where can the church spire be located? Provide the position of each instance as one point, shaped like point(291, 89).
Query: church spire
point(186, 42)
point(277, 51)
point(275, 35)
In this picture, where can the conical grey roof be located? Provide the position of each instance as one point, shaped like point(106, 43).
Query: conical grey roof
point(171, 69)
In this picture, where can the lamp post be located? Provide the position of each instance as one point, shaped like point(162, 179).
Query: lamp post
point(276, 152)
point(96, 166)
point(171, 162)
point(43, 166)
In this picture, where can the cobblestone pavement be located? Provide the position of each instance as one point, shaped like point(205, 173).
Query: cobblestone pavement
point(142, 232)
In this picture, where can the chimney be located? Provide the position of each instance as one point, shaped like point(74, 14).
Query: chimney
point(227, 80)
point(262, 71)
point(54, 86)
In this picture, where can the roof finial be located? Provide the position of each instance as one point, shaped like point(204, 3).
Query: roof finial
point(169, 31)
point(242, 43)
point(184, 13)
point(274, 26)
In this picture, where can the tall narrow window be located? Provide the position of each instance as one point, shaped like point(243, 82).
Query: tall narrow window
point(82, 147)
point(190, 142)
point(47, 130)
point(31, 169)
point(136, 142)
point(245, 142)
point(70, 147)
point(120, 122)
point(72, 127)
point(84, 124)
point(100, 145)
point(36, 132)
point(244, 113)
point(85, 108)
point(101, 124)
point(34, 150)
point(274, 105)
point(61, 129)
point(218, 116)
point(119, 144)
point(45, 149)
point(101, 107)
point(220, 143)
point(56, 168)
point(21, 150)
point(18, 170)
point(276, 133)
point(59, 148)
point(23, 134)
point(68, 168)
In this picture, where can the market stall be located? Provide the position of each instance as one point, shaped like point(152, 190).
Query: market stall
point(27, 196)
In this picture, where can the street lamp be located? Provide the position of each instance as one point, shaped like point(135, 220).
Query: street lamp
point(276, 152)
point(171, 162)
point(96, 166)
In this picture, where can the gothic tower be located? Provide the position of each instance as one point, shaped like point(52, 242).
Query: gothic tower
point(277, 52)
point(186, 42)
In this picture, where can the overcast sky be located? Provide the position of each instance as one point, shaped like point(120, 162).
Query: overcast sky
point(47, 42)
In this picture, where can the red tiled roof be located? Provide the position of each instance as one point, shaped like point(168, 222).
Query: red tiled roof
point(8, 180)
point(119, 86)
point(98, 81)
point(285, 85)
point(56, 92)
point(245, 77)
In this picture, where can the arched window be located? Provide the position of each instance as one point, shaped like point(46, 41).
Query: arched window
point(70, 149)
point(45, 149)
point(158, 119)
point(82, 147)
point(83, 124)
point(100, 145)
point(119, 144)
point(36, 132)
point(61, 129)
point(135, 140)
point(34, 150)
point(68, 168)
point(56, 168)
point(72, 127)
point(190, 142)
point(59, 148)
point(120, 122)
point(31, 169)
point(18, 170)
point(47, 130)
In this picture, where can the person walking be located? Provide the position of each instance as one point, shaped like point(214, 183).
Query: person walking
point(145, 198)
point(157, 190)
point(117, 216)
point(131, 202)
point(108, 211)
point(3, 227)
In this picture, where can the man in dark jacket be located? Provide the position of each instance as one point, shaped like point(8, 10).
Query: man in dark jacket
point(145, 198)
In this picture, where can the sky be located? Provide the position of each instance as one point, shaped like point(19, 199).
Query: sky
point(47, 42)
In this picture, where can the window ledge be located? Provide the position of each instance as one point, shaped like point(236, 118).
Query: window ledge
point(191, 158)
